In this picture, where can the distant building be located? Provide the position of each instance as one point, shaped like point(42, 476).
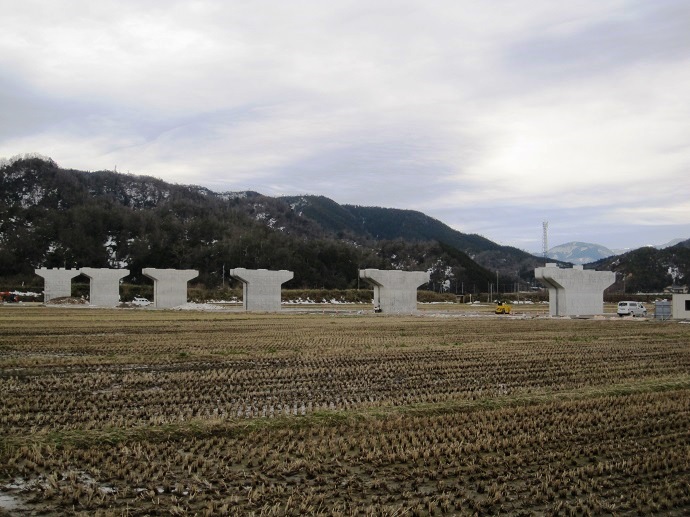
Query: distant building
point(681, 306)
point(676, 289)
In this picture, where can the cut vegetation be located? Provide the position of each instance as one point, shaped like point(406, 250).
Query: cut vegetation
point(113, 412)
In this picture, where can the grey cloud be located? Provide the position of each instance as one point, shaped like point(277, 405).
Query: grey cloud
point(522, 226)
point(638, 32)
point(384, 173)
point(441, 107)
point(24, 111)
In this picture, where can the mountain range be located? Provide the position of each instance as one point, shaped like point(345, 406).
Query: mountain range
point(585, 252)
point(54, 217)
point(579, 252)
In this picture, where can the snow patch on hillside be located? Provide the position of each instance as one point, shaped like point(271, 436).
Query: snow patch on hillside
point(33, 197)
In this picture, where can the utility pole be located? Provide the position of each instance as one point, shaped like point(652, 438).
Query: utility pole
point(518, 287)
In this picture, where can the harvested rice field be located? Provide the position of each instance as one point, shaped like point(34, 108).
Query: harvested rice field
point(145, 412)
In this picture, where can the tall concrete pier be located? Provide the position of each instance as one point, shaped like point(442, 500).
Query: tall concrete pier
point(169, 285)
point(576, 291)
point(104, 285)
point(261, 288)
point(395, 291)
point(57, 282)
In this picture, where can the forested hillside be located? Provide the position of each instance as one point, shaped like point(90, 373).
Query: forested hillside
point(392, 223)
point(649, 269)
point(375, 223)
point(52, 217)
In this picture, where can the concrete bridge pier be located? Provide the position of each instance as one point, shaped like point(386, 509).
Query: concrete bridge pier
point(104, 285)
point(57, 282)
point(169, 286)
point(261, 288)
point(576, 291)
point(395, 291)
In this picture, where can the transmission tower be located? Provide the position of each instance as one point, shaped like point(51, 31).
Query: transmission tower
point(545, 239)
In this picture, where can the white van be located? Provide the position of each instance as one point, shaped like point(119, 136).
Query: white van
point(631, 309)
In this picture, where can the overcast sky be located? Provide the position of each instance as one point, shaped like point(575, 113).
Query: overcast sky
point(491, 116)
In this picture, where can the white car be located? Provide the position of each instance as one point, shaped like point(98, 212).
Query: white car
point(140, 302)
point(631, 309)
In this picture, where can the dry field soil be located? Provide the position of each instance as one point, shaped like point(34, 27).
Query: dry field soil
point(145, 412)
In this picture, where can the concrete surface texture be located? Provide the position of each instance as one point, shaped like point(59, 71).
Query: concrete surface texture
point(57, 282)
point(395, 291)
point(104, 285)
point(681, 306)
point(261, 288)
point(169, 286)
point(576, 291)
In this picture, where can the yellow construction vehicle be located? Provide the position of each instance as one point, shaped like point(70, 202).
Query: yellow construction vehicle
point(502, 307)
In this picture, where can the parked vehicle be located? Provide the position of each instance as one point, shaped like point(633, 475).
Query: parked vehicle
point(140, 302)
point(9, 297)
point(631, 309)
